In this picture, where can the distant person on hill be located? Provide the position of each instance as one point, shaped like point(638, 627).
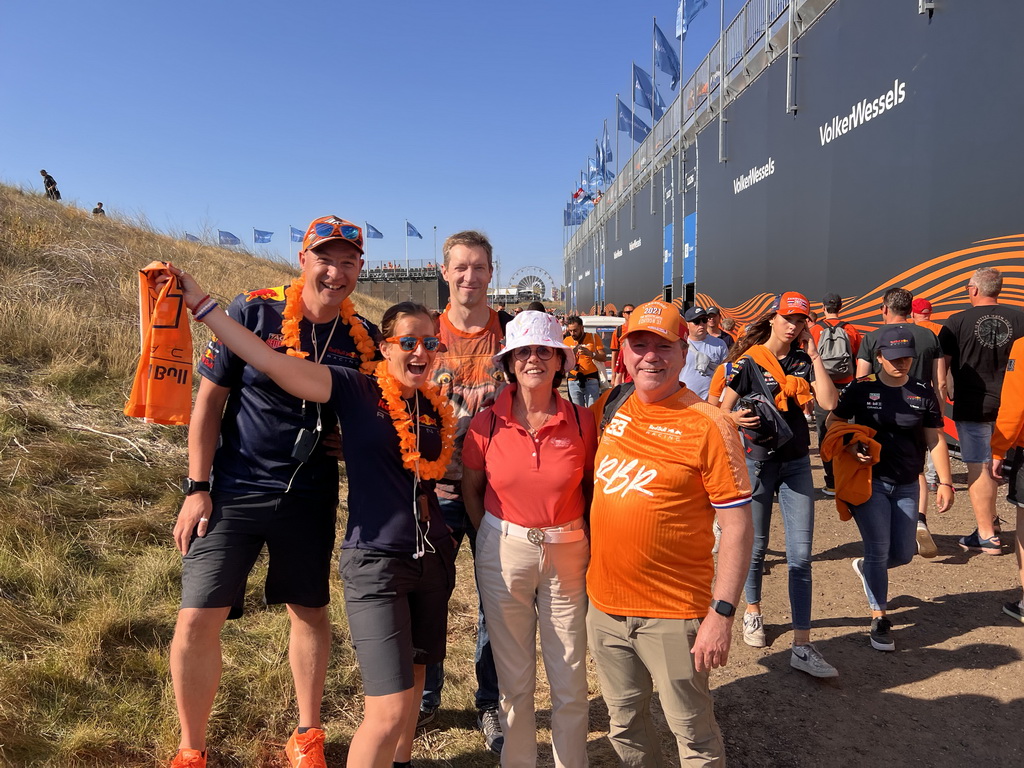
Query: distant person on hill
point(261, 472)
point(50, 184)
point(976, 344)
point(98, 210)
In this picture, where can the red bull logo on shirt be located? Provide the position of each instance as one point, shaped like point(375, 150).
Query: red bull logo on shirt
point(266, 293)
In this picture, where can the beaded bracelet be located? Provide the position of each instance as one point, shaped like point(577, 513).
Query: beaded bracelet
point(948, 485)
point(200, 303)
point(204, 304)
point(211, 305)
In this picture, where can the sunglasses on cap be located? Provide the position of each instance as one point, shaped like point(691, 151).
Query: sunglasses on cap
point(524, 353)
point(409, 343)
point(335, 228)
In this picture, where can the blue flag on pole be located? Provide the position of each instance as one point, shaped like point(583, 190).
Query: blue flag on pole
point(628, 121)
point(261, 236)
point(687, 10)
point(226, 238)
point(372, 233)
point(191, 238)
point(665, 56)
point(606, 146)
point(411, 231)
point(645, 94)
point(297, 234)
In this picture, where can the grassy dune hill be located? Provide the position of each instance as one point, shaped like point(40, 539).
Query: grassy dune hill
point(88, 575)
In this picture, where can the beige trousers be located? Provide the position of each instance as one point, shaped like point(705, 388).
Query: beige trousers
point(524, 587)
point(635, 654)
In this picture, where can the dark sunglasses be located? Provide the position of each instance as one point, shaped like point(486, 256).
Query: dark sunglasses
point(699, 321)
point(409, 343)
point(523, 353)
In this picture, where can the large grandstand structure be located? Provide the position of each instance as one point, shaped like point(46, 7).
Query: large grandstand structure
point(823, 145)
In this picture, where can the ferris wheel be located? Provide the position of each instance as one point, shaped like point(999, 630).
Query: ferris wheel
point(532, 284)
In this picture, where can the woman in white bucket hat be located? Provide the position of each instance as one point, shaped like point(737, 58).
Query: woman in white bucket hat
point(527, 484)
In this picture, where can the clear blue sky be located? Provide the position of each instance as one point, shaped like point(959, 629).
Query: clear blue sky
point(206, 115)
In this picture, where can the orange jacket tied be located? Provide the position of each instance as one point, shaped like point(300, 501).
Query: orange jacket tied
point(789, 386)
point(853, 479)
point(162, 391)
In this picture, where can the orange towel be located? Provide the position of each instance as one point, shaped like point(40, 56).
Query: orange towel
point(162, 392)
point(789, 386)
point(853, 479)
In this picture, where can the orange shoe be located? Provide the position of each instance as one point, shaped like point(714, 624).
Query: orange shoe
point(306, 750)
point(189, 758)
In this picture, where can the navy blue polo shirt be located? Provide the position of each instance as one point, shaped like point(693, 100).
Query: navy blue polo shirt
point(261, 421)
point(381, 491)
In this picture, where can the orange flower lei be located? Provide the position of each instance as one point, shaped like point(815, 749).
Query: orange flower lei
point(293, 315)
point(402, 422)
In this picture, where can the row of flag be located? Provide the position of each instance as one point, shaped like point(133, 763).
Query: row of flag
point(260, 236)
point(646, 96)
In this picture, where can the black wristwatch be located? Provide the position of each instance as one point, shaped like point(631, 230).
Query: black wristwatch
point(190, 486)
point(722, 607)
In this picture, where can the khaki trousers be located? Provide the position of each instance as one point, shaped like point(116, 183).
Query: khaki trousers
point(524, 587)
point(633, 656)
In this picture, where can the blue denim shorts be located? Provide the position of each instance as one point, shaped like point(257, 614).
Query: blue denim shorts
point(975, 441)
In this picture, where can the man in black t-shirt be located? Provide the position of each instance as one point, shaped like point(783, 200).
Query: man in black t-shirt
point(273, 482)
point(976, 344)
point(50, 185)
point(928, 366)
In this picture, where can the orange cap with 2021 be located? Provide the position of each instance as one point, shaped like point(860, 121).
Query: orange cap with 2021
point(657, 317)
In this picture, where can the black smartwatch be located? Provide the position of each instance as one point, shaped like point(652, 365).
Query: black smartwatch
point(190, 486)
point(722, 607)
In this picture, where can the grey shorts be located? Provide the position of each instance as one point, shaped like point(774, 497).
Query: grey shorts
point(298, 532)
point(975, 441)
point(397, 612)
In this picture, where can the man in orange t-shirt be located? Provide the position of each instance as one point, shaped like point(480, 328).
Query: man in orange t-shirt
point(584, 380)
point(666, 464)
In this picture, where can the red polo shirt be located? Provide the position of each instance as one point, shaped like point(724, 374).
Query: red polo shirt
point(533, 482)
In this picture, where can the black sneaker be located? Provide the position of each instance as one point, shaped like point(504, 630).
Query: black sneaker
point(427, 716)
point(881, 636)
point(489, 724)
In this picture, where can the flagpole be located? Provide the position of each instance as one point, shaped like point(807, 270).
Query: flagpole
point(407, 247)
point(618, 157)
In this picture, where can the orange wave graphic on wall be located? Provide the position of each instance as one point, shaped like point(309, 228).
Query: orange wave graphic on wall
point(942, 280)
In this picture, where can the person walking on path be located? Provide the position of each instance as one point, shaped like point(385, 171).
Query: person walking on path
point(906, 419)
point(527, 480)
point(976, 344)
point(769, 356)
point(703, 355)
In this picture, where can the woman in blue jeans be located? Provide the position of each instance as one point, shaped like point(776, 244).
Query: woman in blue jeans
point(772, 346)
point(906, 418)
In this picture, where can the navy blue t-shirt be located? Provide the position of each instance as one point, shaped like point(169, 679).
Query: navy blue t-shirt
point(796, 363)
point(261, 420)
point(899, 415)
point(381, 491)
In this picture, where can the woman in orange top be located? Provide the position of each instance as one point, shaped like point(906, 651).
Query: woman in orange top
point(527, 481)
point(771, 347)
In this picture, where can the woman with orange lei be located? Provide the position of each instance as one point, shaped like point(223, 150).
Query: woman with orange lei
point(397, 560)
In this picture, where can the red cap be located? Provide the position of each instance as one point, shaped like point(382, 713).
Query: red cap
point(921, 305)
point(793, 303)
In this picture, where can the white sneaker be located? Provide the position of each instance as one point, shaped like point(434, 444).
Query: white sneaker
point(753, 630)
point(858, 568)
point(807, 659)
point(925, 543)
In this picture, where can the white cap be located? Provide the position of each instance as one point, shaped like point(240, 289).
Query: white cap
point(529, 329)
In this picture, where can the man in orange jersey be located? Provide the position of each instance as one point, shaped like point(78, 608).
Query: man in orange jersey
point(1009, 432)
point(666, 463)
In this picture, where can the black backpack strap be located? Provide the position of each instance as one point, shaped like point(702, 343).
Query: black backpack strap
point(619, 395)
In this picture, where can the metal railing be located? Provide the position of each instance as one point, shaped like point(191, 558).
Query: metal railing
point(744, 39)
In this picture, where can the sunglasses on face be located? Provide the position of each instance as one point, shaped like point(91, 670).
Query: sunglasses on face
point(627, 312)
point(700, 321)
point(524, 353)
point(409, 343)
point(347, 231)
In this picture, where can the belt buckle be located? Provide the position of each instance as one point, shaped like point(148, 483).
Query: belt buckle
point(535, 536)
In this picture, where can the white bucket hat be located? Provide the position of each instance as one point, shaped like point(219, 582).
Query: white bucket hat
point(530, 328)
